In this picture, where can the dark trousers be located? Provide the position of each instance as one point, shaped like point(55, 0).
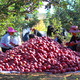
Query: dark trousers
point(4, 49)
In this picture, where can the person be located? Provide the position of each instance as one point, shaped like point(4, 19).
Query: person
point(51, 30)
point(16, 39)
point(78, 41)
point(26, 31)
point(6, 40)
point(64, 33)
point(32, 36)
point(36, 32)
point(58, 39)
point(73, 42)
point(25, 34)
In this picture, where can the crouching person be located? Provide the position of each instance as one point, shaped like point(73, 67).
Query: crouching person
point(6, 40)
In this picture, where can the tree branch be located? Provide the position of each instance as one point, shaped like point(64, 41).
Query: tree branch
point(6, 6)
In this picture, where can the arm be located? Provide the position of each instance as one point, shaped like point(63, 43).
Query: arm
point(72, 41)
point(8, 42)
point(35, 32)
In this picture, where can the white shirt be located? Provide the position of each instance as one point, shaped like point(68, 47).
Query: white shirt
point(16, 40)
point(26, 31)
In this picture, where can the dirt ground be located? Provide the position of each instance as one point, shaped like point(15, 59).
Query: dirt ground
point(41, 76)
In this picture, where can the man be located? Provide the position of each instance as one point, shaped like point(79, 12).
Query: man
point(36, 32)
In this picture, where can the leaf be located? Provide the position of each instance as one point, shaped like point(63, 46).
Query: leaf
point(78, 1)
point(41, 3)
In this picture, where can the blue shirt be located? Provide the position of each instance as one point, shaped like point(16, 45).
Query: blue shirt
point(5, 41)
point(56, 39)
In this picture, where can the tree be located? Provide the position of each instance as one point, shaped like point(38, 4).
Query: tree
point(12, 12)
point(46, 20)
point(68, 15)
point(40, 26)
point(16, 7)
point(34, 19)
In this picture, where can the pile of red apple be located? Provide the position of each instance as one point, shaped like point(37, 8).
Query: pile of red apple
point(41, 54)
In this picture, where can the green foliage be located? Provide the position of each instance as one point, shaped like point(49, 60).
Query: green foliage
point(13, 21)
point(17, 7)
point(48, 15)
point(34, 20)
point(68, 15)
point(13, 12)
point(76, 78)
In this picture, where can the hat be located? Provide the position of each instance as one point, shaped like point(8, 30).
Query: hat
point(10, 29)
point(74, 29)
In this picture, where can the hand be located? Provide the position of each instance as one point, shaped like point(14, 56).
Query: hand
point(67, 44)
point(12, 44)
point(72, 43)
point(77, 42)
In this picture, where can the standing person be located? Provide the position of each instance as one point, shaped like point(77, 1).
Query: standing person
point(6, 40)
point(49, 30)
point(36, 32)
point(73, 42)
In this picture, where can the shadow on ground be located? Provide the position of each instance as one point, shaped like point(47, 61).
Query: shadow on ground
point(41, 76)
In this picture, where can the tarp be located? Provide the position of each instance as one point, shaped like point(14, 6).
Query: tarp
point(16, 72)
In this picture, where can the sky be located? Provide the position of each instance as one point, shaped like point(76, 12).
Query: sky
point(43, 10)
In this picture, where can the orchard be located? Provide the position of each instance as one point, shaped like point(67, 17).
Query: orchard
point(40, 54)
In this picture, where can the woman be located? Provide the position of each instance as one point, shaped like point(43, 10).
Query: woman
point(6, 40)
point(73, 42)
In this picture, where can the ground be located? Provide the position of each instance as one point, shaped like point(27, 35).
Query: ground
point(41, 76)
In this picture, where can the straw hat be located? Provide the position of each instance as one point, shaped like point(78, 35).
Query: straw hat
point(10, 29)
point(74, 29)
